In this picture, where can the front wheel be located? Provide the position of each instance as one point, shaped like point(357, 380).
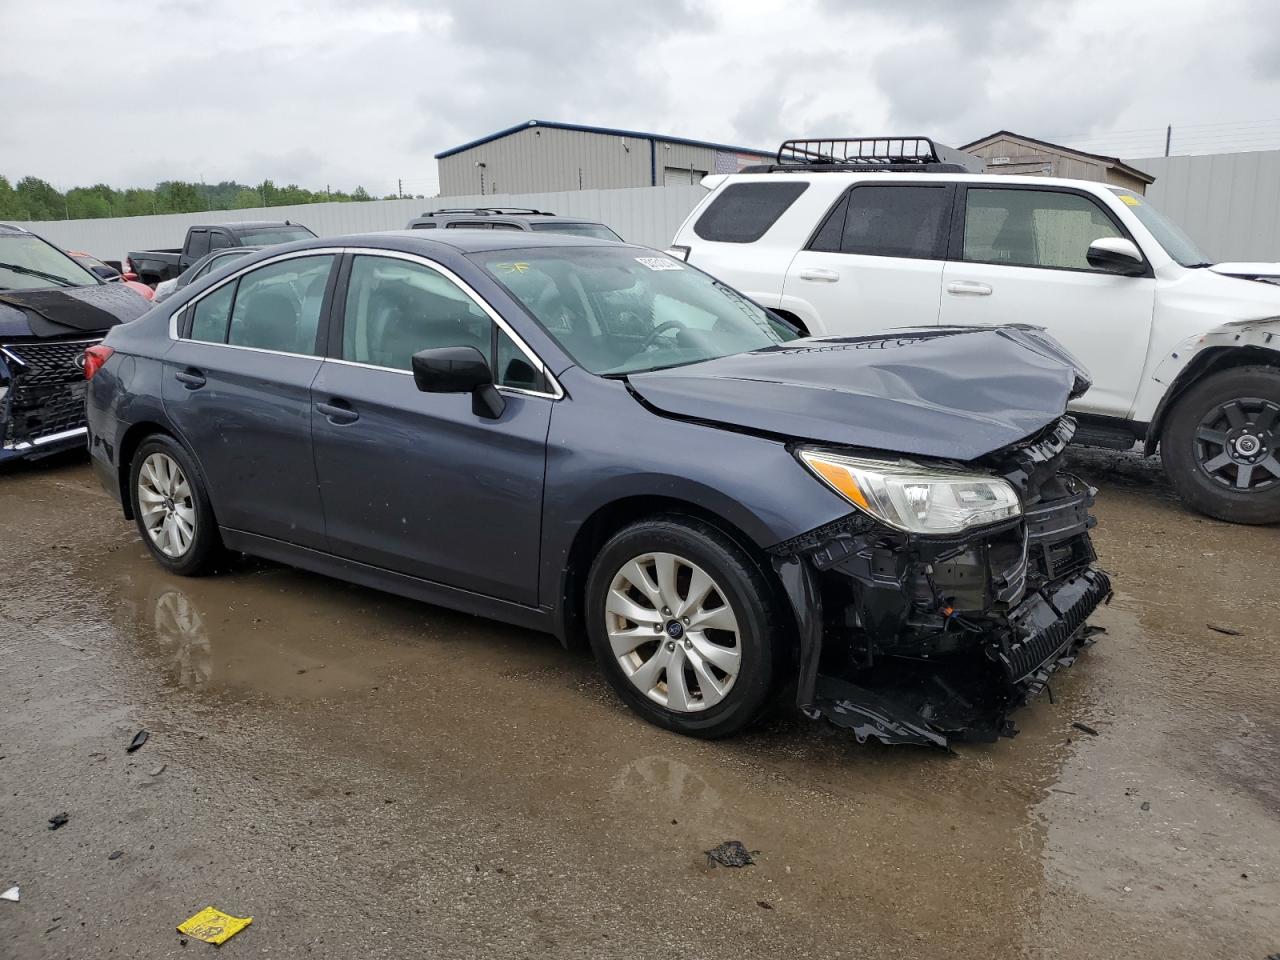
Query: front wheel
point(684, 625)
point(1221, 445)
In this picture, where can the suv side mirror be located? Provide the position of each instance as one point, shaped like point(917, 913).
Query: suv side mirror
point(459, 370)
point(1116, 255)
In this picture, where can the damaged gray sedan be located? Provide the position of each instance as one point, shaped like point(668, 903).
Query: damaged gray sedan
point(599, 441)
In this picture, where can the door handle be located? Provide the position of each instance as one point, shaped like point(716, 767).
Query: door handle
point(191, 378)
point(969, 288)
point(819, 275)
point(339, 412)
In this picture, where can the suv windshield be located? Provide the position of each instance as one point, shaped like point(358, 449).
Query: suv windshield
point(271, 235)
point(29, 263)
point(597, 230)
point(620, 310)
point(1167, 233)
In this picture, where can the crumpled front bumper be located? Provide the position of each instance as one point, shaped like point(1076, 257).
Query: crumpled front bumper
point(42, 391)
point(927, 640)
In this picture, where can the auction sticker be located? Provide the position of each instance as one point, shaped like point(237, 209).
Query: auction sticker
point(659, 263)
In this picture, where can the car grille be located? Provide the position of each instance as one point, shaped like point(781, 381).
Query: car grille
point(48, 389)
point(1045, 623)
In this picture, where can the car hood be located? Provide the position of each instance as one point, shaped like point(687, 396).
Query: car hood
point(953, 393)
point(1249, 271)
point(66, 311)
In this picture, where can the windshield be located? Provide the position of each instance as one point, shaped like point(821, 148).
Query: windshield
point(1167, 233)
point(597, 230)
point(29, 263)
point(619, 310)
point(271, 235)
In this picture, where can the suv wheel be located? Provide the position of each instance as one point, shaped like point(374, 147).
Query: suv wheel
point(1221, 445)
point(172, 508)
point(684, 625)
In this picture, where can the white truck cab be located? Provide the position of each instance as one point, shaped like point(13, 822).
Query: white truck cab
point(854, 236)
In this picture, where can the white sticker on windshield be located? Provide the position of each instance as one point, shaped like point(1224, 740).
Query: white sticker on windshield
point(659, 263)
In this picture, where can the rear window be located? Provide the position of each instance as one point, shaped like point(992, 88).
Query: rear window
point(743, 212)
point(267, 236)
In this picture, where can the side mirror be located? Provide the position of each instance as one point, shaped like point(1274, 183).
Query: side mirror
point(459, 370)
point(1116, 255)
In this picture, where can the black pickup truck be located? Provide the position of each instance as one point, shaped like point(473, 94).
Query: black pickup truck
point(153, 266)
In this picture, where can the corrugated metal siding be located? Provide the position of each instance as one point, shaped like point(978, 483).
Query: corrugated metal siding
point(1229, 203)
point(544, 158)
point(644, 215)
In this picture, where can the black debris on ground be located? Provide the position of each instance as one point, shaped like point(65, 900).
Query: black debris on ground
point(115, 855)
point(764, 904)
point(58, 820)
point(1146, 804)
point(1220, 628)
point(138, 740)
point(731, 853)
point(1086, 728)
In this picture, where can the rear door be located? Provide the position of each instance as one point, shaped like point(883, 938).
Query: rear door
point(876, 260)
point(237, 384)
point(1019, 256)
point(417, 482)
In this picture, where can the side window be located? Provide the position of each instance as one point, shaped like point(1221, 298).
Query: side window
point(396, 308)
point(277, 307)
point(218, 240)
point(1033, 228)
point(212, 313)
point(424, 226)
point(503, 226)
point(198, 244)
point(897, 221)
point(827, 239)
point(464, 225)
point(513, 368)
point(743, 212)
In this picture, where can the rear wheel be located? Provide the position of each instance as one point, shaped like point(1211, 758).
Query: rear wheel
point(684, 625)
point(171, 507)
point(1221, 445)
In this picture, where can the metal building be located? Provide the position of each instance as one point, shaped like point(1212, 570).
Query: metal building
point(1011, 153)
point(539, 156)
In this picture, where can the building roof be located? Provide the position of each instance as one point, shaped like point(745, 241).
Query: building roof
point(606, 131)
point(1111, 161)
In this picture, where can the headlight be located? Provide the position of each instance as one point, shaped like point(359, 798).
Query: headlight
point(917, 499)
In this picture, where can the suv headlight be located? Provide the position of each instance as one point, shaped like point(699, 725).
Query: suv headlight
point(914, 498)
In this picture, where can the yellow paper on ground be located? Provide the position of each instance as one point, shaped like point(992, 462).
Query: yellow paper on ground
point(213, 926)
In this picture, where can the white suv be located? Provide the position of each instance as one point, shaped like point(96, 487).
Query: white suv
point(851, 237)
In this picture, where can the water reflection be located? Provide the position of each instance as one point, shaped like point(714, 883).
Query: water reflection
point(181, 635)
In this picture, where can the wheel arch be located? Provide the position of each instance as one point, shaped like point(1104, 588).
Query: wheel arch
point(607, 520)
point(1203, 364)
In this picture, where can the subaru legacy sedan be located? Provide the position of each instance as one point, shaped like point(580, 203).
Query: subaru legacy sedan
point(600, 441)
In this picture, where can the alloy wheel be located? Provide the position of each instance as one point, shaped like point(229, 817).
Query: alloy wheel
point(673, 631)
point(1236, 443)
point(166, 506)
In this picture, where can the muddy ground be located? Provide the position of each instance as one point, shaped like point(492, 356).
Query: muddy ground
point(370, 777)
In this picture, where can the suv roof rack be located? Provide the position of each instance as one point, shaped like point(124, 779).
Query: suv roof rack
point(491, 211)
point(888, 154)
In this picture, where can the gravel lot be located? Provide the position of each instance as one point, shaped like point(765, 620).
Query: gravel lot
point(369, 777)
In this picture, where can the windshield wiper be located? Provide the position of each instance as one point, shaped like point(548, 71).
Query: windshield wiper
point(30, 272)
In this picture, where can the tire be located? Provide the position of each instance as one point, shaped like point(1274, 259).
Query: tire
point(1221, 445)
point(186, 541)
point(717, 695)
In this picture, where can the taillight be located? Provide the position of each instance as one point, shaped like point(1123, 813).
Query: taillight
point(94, 358)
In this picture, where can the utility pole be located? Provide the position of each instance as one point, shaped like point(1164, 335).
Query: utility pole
point(1168, 138)
point(399, 188)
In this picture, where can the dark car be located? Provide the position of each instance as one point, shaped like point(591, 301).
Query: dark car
point(51, 309)
point(510, 218)
point(206, 265)
point(591, 438)
point(155, 266)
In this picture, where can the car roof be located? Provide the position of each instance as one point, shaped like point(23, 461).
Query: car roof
point(462, 241)
point(13, 229)
point(237, 226)
point(523, 217)
point(810, 174)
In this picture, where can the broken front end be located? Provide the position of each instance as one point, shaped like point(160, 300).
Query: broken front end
point(42, 390)
point(949, 597)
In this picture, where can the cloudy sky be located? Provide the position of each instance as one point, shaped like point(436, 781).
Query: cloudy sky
point(343, 92)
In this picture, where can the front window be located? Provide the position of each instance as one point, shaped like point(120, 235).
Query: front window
point(267, 236)
point(596, 230)
point(1033, 228)
point(29, 263)
point(624, 310)
point(1167, 233)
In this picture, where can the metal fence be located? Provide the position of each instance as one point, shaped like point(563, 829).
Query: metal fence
point(644, 215)
point(1228, 202)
